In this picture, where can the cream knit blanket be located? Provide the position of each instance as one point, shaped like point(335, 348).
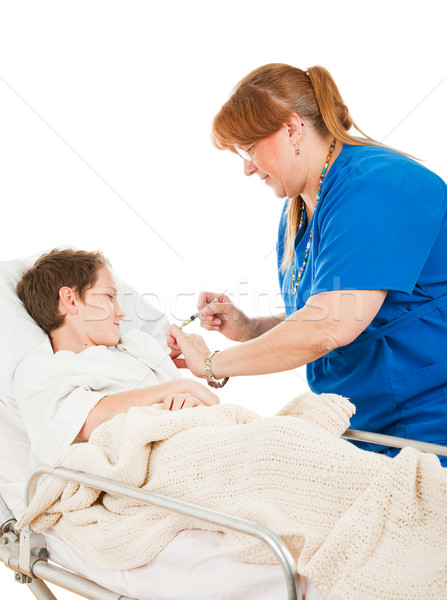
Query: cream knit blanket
point(360, 525)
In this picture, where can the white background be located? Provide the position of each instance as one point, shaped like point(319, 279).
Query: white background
point(105, 116)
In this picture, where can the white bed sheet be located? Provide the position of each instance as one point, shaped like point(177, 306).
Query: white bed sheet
point(191, 567)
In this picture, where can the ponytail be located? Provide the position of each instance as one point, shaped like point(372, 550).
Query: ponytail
point(335, 118)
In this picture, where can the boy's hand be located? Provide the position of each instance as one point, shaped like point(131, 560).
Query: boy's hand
point(179, 401)
point(203, 393)
point(193, 348)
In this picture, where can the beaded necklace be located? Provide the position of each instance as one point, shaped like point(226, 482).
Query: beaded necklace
point(302, 213)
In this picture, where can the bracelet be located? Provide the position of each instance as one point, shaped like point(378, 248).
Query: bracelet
point(210, 379)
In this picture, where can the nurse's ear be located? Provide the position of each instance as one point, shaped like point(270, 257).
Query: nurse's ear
point(68, 301)
point(294, 127)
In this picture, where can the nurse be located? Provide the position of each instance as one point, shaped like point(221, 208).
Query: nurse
point(362, 260)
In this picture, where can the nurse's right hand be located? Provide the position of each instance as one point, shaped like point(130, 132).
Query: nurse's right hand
point(224, 317)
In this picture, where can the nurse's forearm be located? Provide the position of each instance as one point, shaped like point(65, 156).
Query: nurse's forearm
point(291, 344)
point(261, 325)
point(327, 321)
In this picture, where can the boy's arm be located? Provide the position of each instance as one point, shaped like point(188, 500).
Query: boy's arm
point(109, 406)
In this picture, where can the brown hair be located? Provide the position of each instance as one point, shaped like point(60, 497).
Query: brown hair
point(263, 100)
point(39, 286)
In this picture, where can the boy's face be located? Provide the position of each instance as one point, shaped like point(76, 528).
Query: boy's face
point(100, 312)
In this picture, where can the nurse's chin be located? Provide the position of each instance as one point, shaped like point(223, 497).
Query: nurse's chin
point(278, 189)
point(280, 194)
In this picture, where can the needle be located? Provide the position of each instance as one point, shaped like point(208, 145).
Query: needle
point(197, 314)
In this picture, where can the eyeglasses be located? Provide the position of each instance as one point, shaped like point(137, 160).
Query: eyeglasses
point(246, 154)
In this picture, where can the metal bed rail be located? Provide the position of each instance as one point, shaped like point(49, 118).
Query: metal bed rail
point(275, 543)
point(394, 442)
point(42, 571)
point(27, 557)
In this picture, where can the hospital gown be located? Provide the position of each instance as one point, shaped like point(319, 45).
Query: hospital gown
point(56, 392)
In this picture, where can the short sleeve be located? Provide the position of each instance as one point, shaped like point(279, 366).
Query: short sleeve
point(373, 234)
point(52, 407)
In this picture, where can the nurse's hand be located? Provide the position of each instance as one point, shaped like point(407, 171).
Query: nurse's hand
point(192, 346)
point(224, 317)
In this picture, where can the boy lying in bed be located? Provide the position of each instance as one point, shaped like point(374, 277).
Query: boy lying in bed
point(85, 374)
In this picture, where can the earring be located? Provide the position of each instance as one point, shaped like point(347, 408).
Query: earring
point(297, 147)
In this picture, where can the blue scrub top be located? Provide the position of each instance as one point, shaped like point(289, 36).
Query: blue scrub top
point(381, 223)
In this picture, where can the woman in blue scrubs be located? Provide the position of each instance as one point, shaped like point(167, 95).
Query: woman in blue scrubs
point(362, 260)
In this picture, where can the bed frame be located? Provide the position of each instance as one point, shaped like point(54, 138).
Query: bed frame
point(25, 552)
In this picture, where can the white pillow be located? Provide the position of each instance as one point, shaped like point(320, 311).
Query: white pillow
point(19, 333)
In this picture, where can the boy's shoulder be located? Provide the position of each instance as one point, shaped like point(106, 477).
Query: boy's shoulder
point(36, 366)
point(40, 356)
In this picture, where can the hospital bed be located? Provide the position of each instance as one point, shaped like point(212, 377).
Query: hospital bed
point(191, 566)
point(27, 553)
